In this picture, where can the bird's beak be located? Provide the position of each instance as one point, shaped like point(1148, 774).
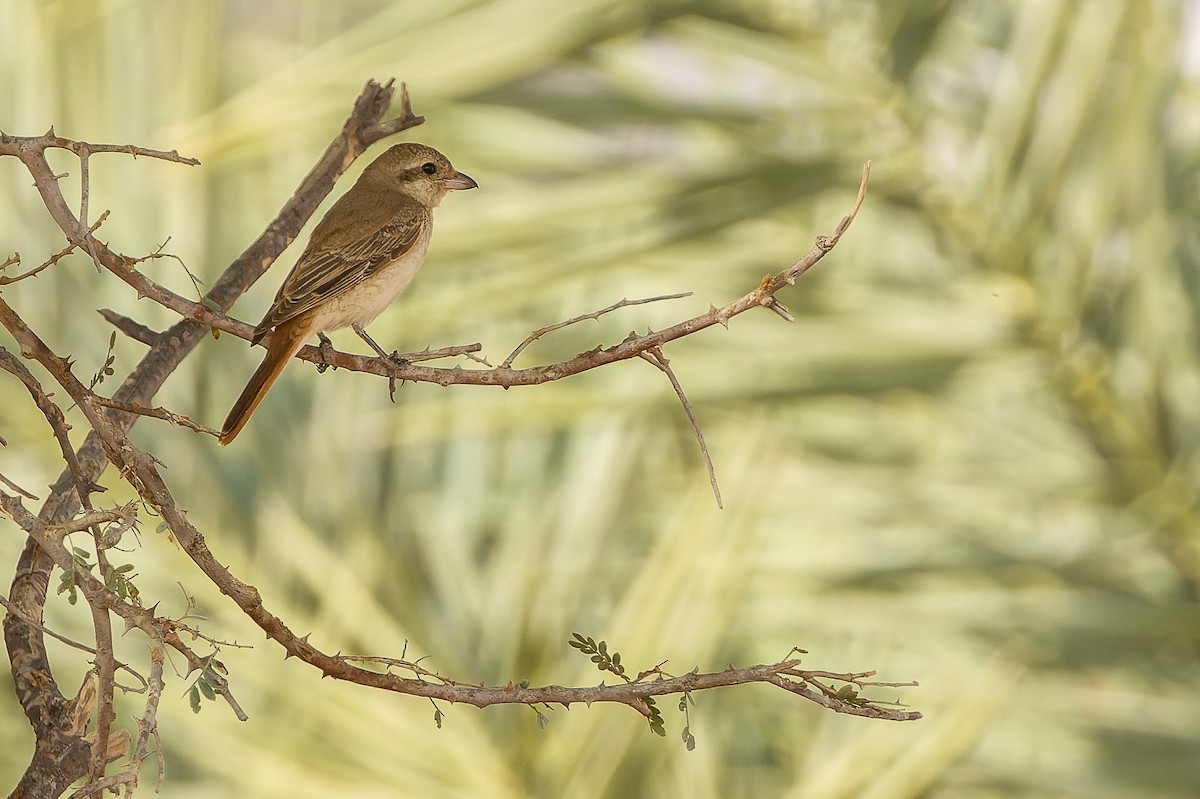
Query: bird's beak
point(460, 181)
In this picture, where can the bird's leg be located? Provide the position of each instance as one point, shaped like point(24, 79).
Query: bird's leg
point(362, 333)
point(394, 357)
point(326, 347)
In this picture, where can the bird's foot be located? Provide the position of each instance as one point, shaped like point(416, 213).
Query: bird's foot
point(394, 357)
point(326, 348)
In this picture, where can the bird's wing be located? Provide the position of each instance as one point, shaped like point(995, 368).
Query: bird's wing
point(335, 263)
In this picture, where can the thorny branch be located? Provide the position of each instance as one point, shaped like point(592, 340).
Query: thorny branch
point(65, 751)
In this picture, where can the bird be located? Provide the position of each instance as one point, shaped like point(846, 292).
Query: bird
point(361, 255)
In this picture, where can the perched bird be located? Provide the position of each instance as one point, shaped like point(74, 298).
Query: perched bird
point(360, 257)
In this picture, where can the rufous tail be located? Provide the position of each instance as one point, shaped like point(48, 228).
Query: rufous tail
point(285, 342)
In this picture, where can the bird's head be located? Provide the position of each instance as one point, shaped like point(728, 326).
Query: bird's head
point(419, 171)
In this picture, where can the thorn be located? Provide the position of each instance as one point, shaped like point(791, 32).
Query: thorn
point(779, 308)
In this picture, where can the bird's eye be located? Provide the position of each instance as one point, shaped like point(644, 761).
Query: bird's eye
point(428, 168)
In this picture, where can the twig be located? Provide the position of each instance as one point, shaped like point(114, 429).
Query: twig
point(82, 647)
point(51, 261)
point(155, 413)
point(443, 352)
point(398, 663)
point(134, 330)
point(91, 519)
point(197, 663)
point(105, 665)
point(656, 358)
point(147, 729)
point(54, 417)
point(148, 723)
point(406, 119)
point(13, 145)
point(17, 488)
point(196, 634)
point(159, 254)
point(85, 189)
point(623, 303)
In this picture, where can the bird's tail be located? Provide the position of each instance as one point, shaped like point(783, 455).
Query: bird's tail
point(285, 342)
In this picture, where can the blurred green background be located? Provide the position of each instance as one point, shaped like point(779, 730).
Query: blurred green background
point(972, 462)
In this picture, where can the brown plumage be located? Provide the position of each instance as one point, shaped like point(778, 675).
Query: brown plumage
point(364, 252)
